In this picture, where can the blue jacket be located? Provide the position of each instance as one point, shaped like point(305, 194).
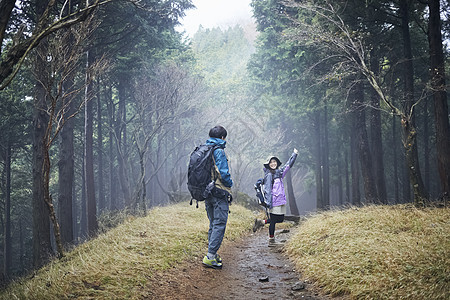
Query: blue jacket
point(221, 162)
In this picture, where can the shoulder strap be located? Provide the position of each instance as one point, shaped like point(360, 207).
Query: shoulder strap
point(215, 147)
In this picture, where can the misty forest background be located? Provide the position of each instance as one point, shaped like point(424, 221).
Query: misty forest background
point(102, 102)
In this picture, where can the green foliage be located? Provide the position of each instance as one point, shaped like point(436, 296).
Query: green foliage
point(15, 112)
point(135, 35)
point(15, 123)
point(222, 54)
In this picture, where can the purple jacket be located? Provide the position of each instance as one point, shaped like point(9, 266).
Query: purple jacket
point(273, 184)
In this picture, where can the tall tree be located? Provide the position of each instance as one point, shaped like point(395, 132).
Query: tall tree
point(66, 156)
point(408, 124)
point(438, 89)
point(63, 63)
point(14, 126)
point(113, 205)
point(42, 248)
point(354, 164)
point(91, 205)
point(326, 158)
point(318, 174)
point(376, 135)
point(7, 246)
point(101, 188)
point(365, 157)
point(121, 141)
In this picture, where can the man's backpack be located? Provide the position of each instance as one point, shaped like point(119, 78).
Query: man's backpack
point(200, 167)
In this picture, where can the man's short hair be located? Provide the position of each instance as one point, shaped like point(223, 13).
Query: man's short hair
point(218, 132)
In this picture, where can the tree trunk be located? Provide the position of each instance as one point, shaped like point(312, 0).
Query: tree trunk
point(121, 146)
point(291, 197)
point(75, 226)
point(101, 188)
point(92, 225)
point(340, 182)
point(408, 125)
point(7, 246)
point(377, 141)
point(426, 145)
point(347, 179)
point(142, 188)
point(365, 157)
point(66, 178)
point(318, 161)
point(21, 243)
point(415, 177)
point(326, 160)
point(112, 179)
point(406, 184)
point(83, 207)
point(354, 161)
point(42, 248)
point(438, 87)
point(46, 170)
point(66, 163)
point(394, 155)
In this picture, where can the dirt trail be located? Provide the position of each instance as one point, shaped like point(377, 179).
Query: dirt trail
point(251, 270)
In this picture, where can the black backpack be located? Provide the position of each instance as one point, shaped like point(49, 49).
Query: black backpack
point(200, 184)
point(259, 193)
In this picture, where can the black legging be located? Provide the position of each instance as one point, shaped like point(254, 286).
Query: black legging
point(273, 220)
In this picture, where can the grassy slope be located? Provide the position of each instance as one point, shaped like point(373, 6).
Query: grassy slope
point(118, 264)
point(377, 252)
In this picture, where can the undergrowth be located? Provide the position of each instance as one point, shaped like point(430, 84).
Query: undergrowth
point(376, 252)
point(119, 263)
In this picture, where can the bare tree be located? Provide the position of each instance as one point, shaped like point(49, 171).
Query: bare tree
point(161, 100)
point(65, 60)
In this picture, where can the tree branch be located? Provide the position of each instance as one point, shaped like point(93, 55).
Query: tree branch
point(14, 58)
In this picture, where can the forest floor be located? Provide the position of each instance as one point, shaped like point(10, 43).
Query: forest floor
point(251, 270)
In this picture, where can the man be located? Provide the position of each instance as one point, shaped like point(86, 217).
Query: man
point(217, 206)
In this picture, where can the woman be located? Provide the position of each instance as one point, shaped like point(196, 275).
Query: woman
point(274, 196)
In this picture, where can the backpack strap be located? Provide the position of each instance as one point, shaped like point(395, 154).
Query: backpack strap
point(215, 147)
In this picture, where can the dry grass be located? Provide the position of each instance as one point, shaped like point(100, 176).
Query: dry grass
point(120, 263)
point(377, 252)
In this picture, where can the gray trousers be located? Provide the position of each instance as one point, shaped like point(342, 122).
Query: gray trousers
point(217, 211)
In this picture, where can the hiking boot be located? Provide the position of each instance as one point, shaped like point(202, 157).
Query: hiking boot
point(273, 243)
point(258, 224)
point(218, 258)
point(211, 263)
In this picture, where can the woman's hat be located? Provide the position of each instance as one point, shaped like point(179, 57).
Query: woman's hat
point(266, 164)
